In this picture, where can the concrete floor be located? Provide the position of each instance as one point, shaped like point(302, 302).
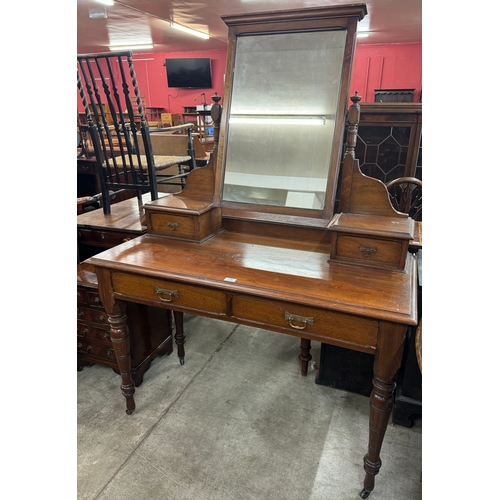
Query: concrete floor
point(236, 422)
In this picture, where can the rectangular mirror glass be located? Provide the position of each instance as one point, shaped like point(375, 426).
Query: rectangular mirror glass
point(282, 116)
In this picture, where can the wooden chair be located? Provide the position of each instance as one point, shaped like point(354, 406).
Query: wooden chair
point(107, 84)
point(405, 194)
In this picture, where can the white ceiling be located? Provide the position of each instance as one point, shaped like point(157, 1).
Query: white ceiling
point(388, 21)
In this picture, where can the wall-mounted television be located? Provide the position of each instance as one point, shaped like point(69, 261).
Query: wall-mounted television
point(189, 73)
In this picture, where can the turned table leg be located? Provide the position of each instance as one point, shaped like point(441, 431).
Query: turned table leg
point(388, 359)
point(180, 338)
point(305, 355)
point(121, 344)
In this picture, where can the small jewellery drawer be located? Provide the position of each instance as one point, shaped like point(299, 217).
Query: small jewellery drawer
point(169, 292)
point(369, 250)
point(176, 226)
point(81, 295)
point(295, 319)
point(93, 299)
point(96, 349)
point(91, 332)
point(92, 315)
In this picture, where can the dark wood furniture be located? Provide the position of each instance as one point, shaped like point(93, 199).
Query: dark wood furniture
point(105, 83)
point(97, 232)
point(389, 142)
point(151, 329)
point(406, 196)
point(394, 95)
point(300, 269)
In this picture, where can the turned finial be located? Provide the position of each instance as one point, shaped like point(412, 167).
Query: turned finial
point(353, 122)
point(216, 113)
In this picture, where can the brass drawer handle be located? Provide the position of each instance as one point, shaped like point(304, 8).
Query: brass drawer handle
point(172, 225)
point(171, 294)
point(367, 251)
point(291, 318)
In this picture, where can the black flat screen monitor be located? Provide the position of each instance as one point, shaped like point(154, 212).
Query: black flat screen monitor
point(189, 73)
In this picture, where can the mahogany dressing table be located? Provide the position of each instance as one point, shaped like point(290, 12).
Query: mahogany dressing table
point(276, 256)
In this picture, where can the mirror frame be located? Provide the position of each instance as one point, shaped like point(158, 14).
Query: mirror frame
point(312, 19)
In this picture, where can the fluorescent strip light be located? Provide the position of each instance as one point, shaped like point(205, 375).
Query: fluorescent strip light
point(110, 3)
point(139, 46)
point(189, 30)
point(362, 34)
point(279, 120)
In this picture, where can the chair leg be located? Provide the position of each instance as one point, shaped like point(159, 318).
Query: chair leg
point(305, 355)
point(180, 338)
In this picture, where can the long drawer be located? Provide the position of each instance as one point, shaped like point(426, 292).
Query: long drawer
point(297, 319)
point(103, 238)
point(186, 296)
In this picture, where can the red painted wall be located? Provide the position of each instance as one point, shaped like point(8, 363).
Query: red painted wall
point(375, 66)
point(393, 66)
point(152, 80)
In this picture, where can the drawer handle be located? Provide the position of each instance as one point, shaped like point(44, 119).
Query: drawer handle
point(367, 251)
point(106, 335)
point(110, 352)
point(85, 332)
point(80, 313)
point(97, 300)
point(89, 348)
point(172, 225)
point(291, 318)
point(102, 319)
point(170, 294)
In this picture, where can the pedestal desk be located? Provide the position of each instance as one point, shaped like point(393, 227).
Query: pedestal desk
point(259, 257)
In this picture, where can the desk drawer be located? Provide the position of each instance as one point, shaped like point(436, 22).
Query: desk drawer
point(175, 226)
point(369, 250)
point(295, 319)
point(169, 292)
point(103, 238)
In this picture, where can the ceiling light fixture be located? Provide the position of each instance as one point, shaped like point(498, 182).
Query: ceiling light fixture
point(189, 30)
point(363, 34)
point(137, 46)
point(110, 3)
